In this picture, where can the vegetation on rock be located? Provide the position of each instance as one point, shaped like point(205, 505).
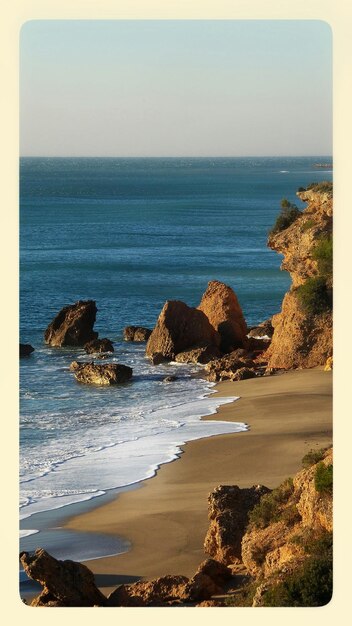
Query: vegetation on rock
point(315, 296)
point(288, 214)
point(323, 478)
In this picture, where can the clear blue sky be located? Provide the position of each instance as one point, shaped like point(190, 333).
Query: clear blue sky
point(176, 88)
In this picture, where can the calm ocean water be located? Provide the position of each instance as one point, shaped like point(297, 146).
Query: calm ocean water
point(131, 234)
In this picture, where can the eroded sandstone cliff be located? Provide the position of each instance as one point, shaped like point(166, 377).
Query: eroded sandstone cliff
point(302, 335)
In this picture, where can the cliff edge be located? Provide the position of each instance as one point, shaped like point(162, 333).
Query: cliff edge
point(302, 335)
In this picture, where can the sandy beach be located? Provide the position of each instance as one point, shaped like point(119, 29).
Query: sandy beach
point(166, 518)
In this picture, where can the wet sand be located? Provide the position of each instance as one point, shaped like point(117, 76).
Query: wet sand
point(166, 518)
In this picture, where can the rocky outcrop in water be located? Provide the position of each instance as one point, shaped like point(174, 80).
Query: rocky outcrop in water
point(302, 335)
point(65, 583)
point(107, 374)
point(73, 325)
point(136, 333)
point(264, 329)
point(99, 346)
point(221, 306)
point(179, 328)
point(25, 349)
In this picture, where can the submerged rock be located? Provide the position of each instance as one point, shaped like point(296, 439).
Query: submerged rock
point(136, 333)
point(179, 328)
point(97, 346)
point(26, 349)
point(73, 325)
point(221, 306)
point(107, 374)
point(65, 583)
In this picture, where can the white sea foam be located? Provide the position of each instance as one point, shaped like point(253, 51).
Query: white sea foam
point(136, 456)
point(27, 532)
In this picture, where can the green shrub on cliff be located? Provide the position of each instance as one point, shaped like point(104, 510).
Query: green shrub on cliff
point(324, 186)
point(322, 254)
point(323, 478)
point(288, 214)
point(312, 457)
point(269, 508)
point(314, 295)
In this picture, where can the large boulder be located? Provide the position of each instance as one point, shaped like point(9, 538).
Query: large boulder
point(25, 349)
point(73, 325)
point(65, 583)
point(179, 328)
point(98, 346)
point(107, 374)
point(136, 333)
point(220, 305)
point(228, 508)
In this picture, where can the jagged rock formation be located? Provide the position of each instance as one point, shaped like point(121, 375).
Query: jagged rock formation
point(107, 374)
point(98, 346)
point(281, 536)
point(73, 325)
point(65, 583)
point(220, 305)
point(301, 338)
point(136, 333)
point(25, 349)
point(179, 328)
point(228, 508)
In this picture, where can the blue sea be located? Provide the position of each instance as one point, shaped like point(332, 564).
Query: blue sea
point(131, 234)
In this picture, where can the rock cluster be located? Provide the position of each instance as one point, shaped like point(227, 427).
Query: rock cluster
point(66, 583)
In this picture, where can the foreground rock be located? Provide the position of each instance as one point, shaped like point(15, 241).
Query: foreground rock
point(136, 333)
point(73, 325)
point(159, 592)
point(303, 336)
point(179, 328)
point(220, 305)
point(98, 346)
point(228, 509)
point(25, 349)
point(65, 583)
point(107, 374)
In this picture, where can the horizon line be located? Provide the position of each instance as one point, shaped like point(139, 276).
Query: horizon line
point(209, 156)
